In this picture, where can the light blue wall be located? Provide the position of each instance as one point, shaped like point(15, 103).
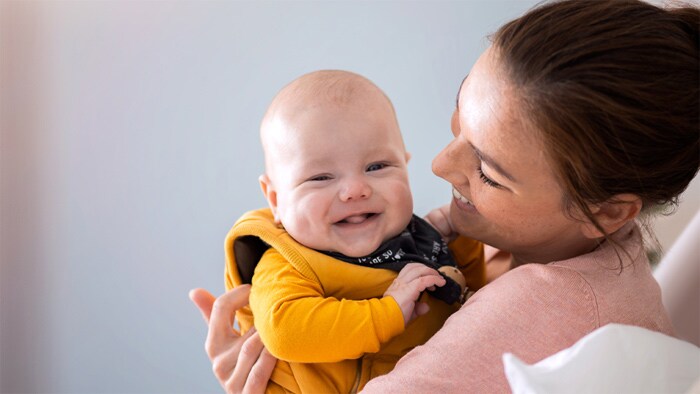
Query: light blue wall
point(130, 146)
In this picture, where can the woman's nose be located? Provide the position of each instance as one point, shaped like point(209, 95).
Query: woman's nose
point(355, 189)
point(449, 163)
point(443, 160)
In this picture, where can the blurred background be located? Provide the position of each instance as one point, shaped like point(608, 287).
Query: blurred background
point(129, 146)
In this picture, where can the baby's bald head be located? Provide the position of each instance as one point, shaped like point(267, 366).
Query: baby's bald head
point(314, 91)
point(336, 174)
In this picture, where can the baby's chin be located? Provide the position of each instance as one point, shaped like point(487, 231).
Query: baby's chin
point(353, 251)
point(366, 249)
point(357, 254)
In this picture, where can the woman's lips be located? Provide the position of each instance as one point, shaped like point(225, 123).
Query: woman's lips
point(462, 202)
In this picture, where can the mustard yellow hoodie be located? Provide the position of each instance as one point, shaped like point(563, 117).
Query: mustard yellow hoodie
point(325, 319)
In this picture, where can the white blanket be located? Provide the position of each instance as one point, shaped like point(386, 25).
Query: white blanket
point(612, 359)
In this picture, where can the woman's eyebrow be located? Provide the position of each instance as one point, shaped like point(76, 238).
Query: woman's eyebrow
point(492, 163)
point(460, 90)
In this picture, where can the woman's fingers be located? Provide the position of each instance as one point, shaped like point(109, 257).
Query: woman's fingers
point(222, 336)
point(261, 373)
point(226, 348)
point(224, 363)
point(253, 369)
point(224, 310)
point(248, 355)
point(225, 359)
point(203, 300)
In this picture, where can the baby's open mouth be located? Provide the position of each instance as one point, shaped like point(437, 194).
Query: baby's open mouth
point(357, 219)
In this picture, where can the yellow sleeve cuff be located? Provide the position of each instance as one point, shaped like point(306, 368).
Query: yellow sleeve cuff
point(388, 319)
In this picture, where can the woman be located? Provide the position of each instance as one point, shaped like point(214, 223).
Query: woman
point(580, 117)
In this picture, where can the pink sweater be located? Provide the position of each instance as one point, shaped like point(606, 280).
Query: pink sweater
point(532, 311)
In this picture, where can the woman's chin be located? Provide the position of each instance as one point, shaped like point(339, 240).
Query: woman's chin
point(462, 223)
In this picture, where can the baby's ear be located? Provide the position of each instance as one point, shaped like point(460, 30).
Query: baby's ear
point(613, 214)
point(269, 192)
point(408, 157)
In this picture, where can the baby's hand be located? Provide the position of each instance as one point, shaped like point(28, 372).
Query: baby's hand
point(406, 288)
point(440, 219)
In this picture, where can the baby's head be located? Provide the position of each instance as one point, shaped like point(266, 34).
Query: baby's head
point(335, 163)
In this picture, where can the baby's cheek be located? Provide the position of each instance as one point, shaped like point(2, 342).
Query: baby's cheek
point(303, 232)
point(314, 207)
point(399, 192)
point(309, 223)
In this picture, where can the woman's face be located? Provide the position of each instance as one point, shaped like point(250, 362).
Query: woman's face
point(505, 192)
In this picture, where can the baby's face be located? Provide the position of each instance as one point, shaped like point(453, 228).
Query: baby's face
point(338, 177)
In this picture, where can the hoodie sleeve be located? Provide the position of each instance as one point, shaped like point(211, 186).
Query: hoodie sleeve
point(469, 255)
point(298, 324)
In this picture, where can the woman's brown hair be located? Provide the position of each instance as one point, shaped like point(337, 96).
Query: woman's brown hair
point(613, 88)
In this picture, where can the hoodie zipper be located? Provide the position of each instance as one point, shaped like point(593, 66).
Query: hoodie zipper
point(358, 376)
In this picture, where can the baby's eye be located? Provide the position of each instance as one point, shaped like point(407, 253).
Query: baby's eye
point(376, 166)
point(319, 178)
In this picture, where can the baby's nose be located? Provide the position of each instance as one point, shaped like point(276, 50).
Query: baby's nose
point(355, 189)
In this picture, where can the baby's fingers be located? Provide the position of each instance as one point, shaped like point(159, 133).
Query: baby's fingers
point(413, 271)
point(424, 282)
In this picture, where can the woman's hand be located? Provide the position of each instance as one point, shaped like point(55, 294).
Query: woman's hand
point(240, 363)
point(440, 219)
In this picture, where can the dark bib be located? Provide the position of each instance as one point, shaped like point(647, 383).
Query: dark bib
point(418, 243)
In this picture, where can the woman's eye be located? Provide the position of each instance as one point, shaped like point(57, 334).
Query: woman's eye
point(486, 179)
point(376, 166)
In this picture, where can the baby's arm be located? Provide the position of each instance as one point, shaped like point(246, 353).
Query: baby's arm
point(297, 323)
point(440, 219)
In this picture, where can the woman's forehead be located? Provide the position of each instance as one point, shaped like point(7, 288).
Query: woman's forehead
point(492, 117)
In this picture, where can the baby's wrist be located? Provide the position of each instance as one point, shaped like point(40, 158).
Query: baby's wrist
point(393, 322)
point(400, 306)
point(406, 307)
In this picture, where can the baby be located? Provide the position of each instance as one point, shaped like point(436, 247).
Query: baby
point(335, 282)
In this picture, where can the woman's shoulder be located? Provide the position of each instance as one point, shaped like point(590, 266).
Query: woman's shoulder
point(540, 296)
point(532, 311)
point(609, 269)
point(612, 284)
point(563, 291)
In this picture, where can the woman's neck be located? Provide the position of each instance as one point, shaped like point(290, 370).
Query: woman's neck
point(548, 254)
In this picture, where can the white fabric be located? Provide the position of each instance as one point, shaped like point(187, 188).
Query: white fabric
point(678, 275)
point(615, 358)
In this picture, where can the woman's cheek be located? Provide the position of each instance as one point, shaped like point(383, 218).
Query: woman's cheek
point(479, 195)
point(487, 200)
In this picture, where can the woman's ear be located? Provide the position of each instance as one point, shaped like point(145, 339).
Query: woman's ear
point(270, 194)
point(612, 214)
